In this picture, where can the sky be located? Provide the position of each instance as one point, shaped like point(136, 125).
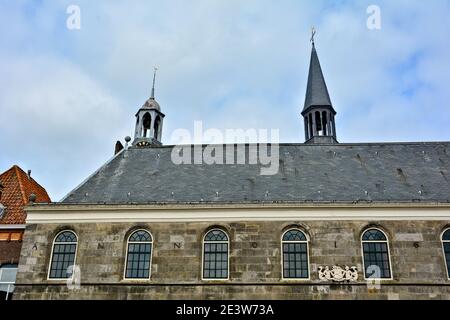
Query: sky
point(67, 95)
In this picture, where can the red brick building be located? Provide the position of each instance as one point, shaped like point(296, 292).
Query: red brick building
point(16, 187)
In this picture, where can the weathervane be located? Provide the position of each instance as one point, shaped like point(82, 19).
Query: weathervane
point(313, 33)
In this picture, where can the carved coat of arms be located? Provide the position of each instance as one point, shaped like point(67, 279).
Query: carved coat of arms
point(338, 274)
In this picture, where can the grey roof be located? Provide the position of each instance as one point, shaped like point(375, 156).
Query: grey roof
point(151, 104)
point(402, 172)
point(317, 91)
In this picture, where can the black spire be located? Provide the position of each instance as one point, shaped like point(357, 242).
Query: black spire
point(318, 112)
point(317, 91)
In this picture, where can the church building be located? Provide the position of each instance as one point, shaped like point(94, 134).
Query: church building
point(337, 221)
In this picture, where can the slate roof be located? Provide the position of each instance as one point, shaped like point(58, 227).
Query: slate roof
point(17, 189)
point(317, 91)
point(396, 172)
point(151, 104)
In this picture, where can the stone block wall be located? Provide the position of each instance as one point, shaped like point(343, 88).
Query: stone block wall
point(418, 264)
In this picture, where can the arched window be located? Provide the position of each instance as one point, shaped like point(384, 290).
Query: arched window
point(8, 274)
point(295, 255)
point(318, 122)
point(215, 255)
point(63, 255)
point(146, 125)
point(157, 124)
point(324, 123)
point(311, 127)
point(376, 256)
point(332, 125)
point(446, 247)
point(306, 128)
point(139, 255)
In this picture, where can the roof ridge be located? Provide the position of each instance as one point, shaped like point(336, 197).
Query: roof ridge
point(18, 172)
point(299, 144)
point(8, 170)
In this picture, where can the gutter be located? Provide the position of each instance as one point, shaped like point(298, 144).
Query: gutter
point(12, 227)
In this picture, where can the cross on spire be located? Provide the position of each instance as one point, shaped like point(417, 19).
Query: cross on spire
point(313, 33)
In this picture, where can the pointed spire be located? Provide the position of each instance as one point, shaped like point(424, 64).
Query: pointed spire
point(151, 102)
point(153, 87)
point(318, 112)
point(317, 91)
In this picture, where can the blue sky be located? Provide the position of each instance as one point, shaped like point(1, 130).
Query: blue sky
point(66, 95)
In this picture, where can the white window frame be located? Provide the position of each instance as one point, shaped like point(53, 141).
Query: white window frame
point(51, 256)
point(443, 252)
point(228, 242)
point(151, 256)
point(9, 284)
point(307, 252)
point(389, 254)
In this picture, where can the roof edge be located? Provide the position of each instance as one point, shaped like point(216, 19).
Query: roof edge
point(93, 174)
point(345, 144)
point(21, 187)
point(58, 207)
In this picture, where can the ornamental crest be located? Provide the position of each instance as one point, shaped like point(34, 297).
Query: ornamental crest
point(338, 274)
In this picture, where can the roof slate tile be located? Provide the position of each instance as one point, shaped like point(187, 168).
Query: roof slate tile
point(317, 173)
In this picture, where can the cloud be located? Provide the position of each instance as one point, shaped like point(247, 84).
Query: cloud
point(67, 96)
point(56, 120)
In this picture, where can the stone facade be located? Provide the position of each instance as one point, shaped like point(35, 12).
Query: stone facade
point(418, 265)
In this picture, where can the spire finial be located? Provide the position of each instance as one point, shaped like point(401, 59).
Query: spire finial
point(154, 77)
point(313, 33)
